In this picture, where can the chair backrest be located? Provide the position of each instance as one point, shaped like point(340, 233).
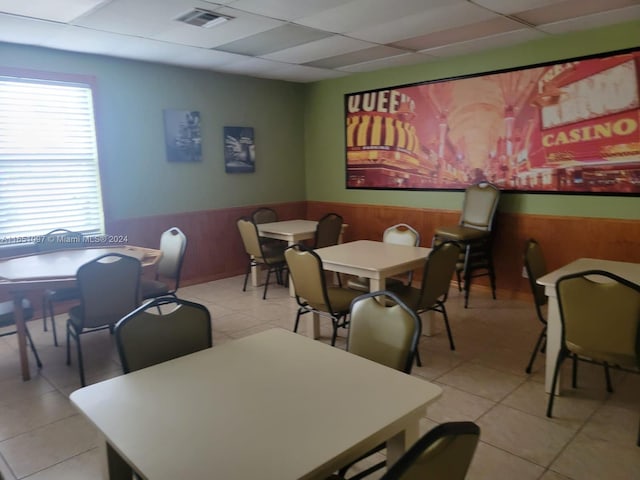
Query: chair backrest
point(59, 239)
point(305, 268)
point(146, 336)
point(600, 316)
point(328, 230)
point(535, 267)
point(439, 268)
point(446, 451)
point(264, 215)
point(384, 334)
point(402, 234)
point(109, 289)
point(250, 237)
point(479, 207)
point(173, 244)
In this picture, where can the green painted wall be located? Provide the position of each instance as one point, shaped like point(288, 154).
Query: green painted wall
point(325, 148)
point(137, 179)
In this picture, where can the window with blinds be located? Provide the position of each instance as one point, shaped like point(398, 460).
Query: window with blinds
point(49, 175)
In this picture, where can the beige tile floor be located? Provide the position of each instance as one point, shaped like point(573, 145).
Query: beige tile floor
point(591, 437)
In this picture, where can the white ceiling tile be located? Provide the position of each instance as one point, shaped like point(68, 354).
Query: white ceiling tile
point(433, 20)
point(397, 61)
point(286, 10)
point(235, 29)
point(58, 11)
point(302, 73)
point(495, 41)
point(326, 47)
point(359, 14)
point(508, 7)
point(27, 31)
point(591, 21)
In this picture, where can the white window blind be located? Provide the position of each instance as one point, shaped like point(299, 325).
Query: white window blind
point(49, 175)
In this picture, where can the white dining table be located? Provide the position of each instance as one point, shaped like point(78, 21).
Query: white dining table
point(272, 406)
point(373, 260)
point(292, 232)
point(54, 269)
point(627, 270)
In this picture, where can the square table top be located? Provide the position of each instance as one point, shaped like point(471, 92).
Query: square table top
point(274, 405)
point(627, 270)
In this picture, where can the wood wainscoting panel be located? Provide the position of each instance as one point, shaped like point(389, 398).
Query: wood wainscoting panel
point(563, 239)
point(214, 247)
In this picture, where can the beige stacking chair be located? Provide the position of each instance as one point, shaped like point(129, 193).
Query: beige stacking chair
point(474, 233)
point(312, 292)
point(600, 321)
point(173, 244)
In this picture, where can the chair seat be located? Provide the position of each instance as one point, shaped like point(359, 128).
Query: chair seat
point(76, 321)
point(459, 233)
point(153, 288)
point(340, 299)
point(362, 284)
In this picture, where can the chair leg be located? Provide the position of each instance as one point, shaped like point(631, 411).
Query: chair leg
point(266, 284)
point(607, 377)
point(574, 372)
point(467, 275)
point(53, 323)
point(446, 324)
point(559, 360)
point(541, 337)
point(492, 273)
point(80, 361)
point(418, 359)
point(334, 335)
point(246, 277)
point(44, 313)
point(295, 326)
point(68, 345)
point(33, 347)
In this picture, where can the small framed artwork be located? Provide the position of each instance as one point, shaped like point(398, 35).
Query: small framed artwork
point(239, 150)
point(182, 135)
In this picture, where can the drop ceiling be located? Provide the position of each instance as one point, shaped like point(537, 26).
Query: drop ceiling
point(297, 40)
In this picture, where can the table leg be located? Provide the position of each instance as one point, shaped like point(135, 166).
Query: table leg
point(376, 284)
point(400, 443)
point(254, 275)
point(117, 467)
point(428, 319)
point(292, 288)
point(314, 331)
point(553, 340)
point(18, 315)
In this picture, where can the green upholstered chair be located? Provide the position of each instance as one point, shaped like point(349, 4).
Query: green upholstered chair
point(260, 254)
point(313, 295)
point(400, 234)
point(474, 233)
point(439, 269)
point(600, 321)
point(160, 330)
point(58, 239)
point(7, 319)
point(173, 244)
point(109, 290)
point(445, 452)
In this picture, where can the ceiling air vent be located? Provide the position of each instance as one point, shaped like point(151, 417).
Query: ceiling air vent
point(200, 17)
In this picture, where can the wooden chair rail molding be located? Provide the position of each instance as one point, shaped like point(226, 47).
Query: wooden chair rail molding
point(214, 249)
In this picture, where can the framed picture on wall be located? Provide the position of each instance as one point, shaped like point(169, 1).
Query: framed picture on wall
point(569, 126)
point(239, 150)
point(182, 135)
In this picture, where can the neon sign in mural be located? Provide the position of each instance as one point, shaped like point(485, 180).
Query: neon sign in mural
point(568, 127)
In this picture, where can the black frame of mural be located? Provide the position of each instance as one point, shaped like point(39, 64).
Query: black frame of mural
point(613, 177)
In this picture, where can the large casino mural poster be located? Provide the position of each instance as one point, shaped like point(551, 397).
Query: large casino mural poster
point(569, 127)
